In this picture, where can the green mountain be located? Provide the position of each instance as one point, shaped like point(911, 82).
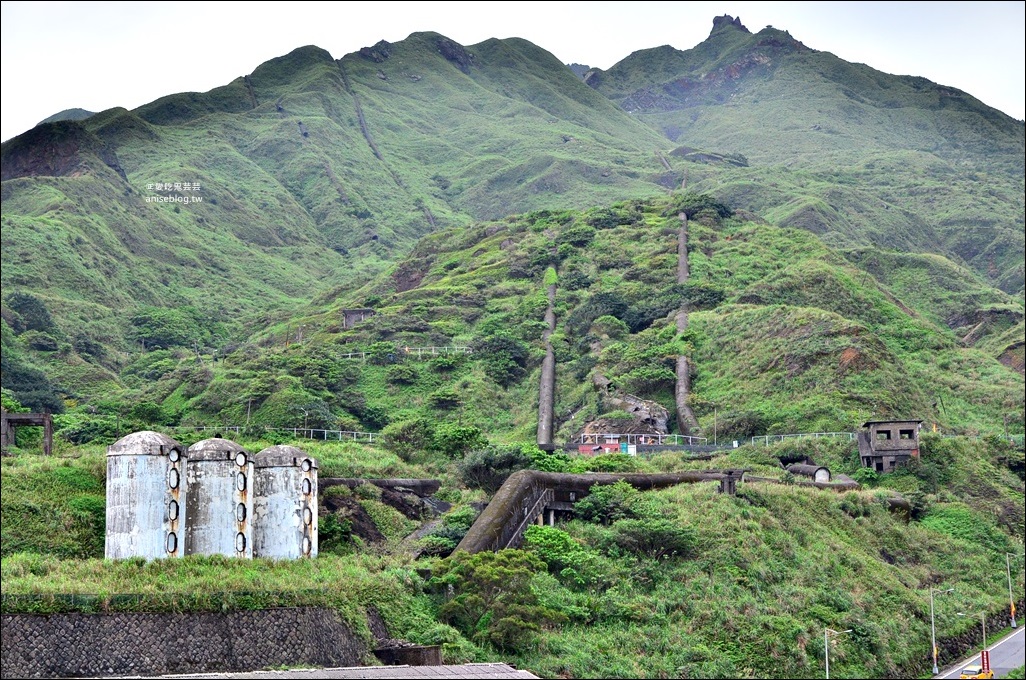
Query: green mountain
point(206, 224)
point(858, 156)
point(410, 240)
point(67, 114)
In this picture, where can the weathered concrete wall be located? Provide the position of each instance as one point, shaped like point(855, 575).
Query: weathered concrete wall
point(98, 645)
point(284, 504)
point(220, 500)
point(146, 492)
point(421, 487)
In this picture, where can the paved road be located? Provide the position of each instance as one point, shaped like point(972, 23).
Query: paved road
point(1006, 654)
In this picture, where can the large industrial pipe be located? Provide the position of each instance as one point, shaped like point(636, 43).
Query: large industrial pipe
point(518, 494)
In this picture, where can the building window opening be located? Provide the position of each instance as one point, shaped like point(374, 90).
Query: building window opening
point(906, 434)
point(883, 434)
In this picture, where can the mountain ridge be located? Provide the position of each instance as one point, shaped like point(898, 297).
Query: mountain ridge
point(316, 172)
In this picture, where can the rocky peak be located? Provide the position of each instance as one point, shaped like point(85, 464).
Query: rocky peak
point(455, 53)
point(727, 20)
point(381, 51)
point(60, 149)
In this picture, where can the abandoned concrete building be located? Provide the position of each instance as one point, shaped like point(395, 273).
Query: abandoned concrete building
point(9, 422)
point(885, 444)
point(351, 317)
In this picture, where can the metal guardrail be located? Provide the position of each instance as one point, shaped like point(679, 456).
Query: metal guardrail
point(598, 439)
point(768, 439)
point(531, 510)
point(297, 432)
point(639, 439)
point(417, 352)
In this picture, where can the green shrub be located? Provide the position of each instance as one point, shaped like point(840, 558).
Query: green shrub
point(406, 437)
point(566, 558)
point(334, 535)
point(607, 462)
point(503, 357)
point(494, 602)
point(654, 537)
point(445, 398)
point(489, 467)
point(456, 440)
point(402, 374)
point(608, 503)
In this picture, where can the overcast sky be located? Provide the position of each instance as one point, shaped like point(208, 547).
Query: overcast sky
point(98, 55)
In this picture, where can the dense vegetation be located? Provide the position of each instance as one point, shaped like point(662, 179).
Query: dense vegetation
point(862, 263)
point(786, 336)
point(312, 174)
point(680, 582)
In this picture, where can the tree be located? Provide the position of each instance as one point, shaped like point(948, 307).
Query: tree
point(164, 328)
point(27, 384)
point(504, 358)
point(487, 468)
point(406, 437)
point(456, 440)
point(494, 601)
point(32, 313)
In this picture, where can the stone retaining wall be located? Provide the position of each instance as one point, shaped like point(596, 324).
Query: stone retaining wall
point(92, 645)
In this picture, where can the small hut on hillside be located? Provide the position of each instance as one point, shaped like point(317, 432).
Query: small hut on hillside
point(885, 444)
point(607, 435)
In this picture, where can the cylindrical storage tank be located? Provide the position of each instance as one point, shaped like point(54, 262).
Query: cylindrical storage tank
point(220, 500)
point(284, 503)
point(146, 492)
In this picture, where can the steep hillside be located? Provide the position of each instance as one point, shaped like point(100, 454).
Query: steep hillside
point(825, 139)
point(203, 220)
point(786, 336)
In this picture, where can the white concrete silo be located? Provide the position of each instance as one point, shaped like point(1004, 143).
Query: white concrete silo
point(146, 492)
point(220, 500)
point(284, 503)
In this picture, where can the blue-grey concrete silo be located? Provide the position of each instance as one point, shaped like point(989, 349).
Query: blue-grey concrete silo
point(146, 492)
point(284, 503)
point(220, 500)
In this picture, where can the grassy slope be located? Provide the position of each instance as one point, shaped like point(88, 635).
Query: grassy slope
point(824, 137)
point(418, 140)
point(801, 339)
point(767, 571)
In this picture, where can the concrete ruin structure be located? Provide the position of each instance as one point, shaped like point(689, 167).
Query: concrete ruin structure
point(817, 473)
point(214, 498)
point(219, 504)
point(284, 504)
point(886, 444)
point(351, 317)
point(9, 422)
point(146, 492)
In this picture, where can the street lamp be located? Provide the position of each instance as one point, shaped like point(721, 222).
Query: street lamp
point(827, 635)
point(1008, 572)
point(983, 619)
point(933, 626)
